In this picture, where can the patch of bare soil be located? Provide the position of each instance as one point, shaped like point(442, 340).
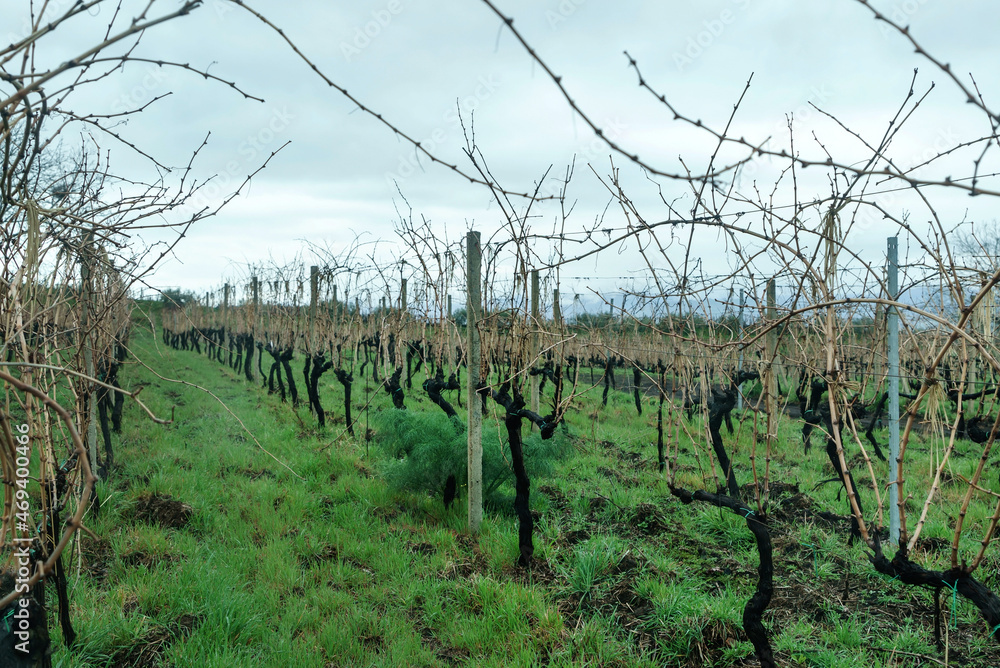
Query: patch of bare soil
point(630, 460)
point(634, 460)
point(556, 498)
point(162, 510)
point(148, 651)
point(631, 611)
point(388, 513)
point(618, 477)
point(597, 505)
point(932, 545)
point(128, 483)
point(831, 601)
point(793, 507)
point(421, 548)
point(539, 573)
point(252, 473)
point(174, 396)
point(648, 520)
point(575, 536)
point(97, 553)
point(446, 654)
point(469, 559)
point(141, 558)
point(328, 553)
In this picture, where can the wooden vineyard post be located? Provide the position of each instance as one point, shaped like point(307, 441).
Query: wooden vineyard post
point(334, 307)
point(225, 307)
point(771, 387)
point(404, 337)
point(475, 430)
point(743, 301)
point(772, 343)
point(485, 294)
point(313, 305)
point(255, 296)
point(449, 358)
point(892, 329)
point(535, 324)
point(86, 306)
point(556, 311)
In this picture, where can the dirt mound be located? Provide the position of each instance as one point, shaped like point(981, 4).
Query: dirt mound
point(422, 548)
point(145, 559)
point(147, 651)
point(328, 553)
point(556, 498)
point(648, 520)
point(97, 554)
point(162, 510)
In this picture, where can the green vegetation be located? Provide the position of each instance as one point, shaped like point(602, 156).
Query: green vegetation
point(210, 553)
point(422, 449)
point(175, 298)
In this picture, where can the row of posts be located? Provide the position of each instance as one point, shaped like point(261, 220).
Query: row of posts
point(227, 291)
point(473, 346)
point(893, 379)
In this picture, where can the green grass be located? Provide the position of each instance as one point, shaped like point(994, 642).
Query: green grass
point(332, 566)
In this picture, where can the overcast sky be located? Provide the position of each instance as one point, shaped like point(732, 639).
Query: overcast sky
point(418, 63)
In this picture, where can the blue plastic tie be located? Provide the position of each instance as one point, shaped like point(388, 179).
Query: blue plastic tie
point(10, 613)
point(954, 603)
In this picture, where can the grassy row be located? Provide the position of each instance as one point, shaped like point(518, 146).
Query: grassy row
point(314, 561)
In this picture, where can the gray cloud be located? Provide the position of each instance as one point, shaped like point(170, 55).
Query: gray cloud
point(413, 62)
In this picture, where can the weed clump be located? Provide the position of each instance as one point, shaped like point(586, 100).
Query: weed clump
point(424, 449)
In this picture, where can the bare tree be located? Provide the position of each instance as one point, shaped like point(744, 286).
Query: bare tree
point(978, 245)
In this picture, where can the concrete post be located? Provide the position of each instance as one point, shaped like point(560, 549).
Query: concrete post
point(475, 442)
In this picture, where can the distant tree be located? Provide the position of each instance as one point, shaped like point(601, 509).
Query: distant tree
point(978, 245)
point(176, 298)
point(461, 317)
point(593, 320)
